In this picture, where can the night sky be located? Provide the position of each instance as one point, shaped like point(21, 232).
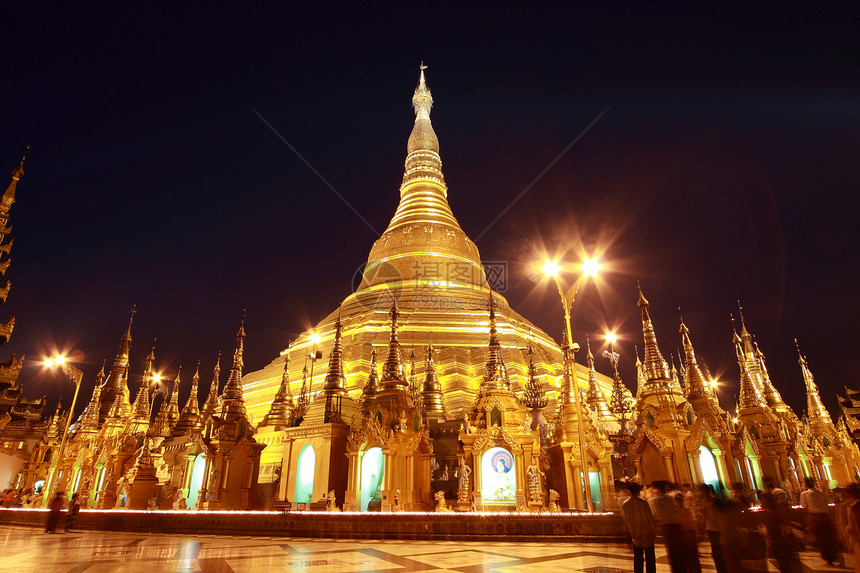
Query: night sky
point(725, 169)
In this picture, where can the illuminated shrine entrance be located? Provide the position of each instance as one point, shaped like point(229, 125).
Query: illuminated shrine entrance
point(710, 475)
point(305, 475)
point(198, 469)
point(498, 477)
point(372, 468)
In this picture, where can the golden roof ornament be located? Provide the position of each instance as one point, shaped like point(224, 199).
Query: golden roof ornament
point(281, 411)
point(495, 372)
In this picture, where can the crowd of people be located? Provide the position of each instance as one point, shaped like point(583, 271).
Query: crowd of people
point(744, 529)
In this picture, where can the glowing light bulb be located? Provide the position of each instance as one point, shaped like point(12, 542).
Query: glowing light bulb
point(590, 267)
point(611, 337)
point(49, 362)
point(315, 337)
point(551, 268)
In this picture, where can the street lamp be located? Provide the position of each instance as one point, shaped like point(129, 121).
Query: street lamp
point(589, 268)
point(75, 376)
point(156, 388)
point(314, 355)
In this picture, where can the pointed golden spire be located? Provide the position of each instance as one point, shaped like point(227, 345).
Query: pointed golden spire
point(335, 381)
point(113, 385)
point(423, 229)
point(370, 387)
point(750, 396)
point(815, 409)
point(654, 366)
point(495, 372)
point(696, 383)
point(89, 420)
point(393, 376)
point(9, 196)
point(189, 419)
point(210, 407)
point(640, 374)
point(771, 394)
point(534, 397)
point(281, 410)
point(140, 408)
point(595, 396)
point(431, 392)
point(233, 402)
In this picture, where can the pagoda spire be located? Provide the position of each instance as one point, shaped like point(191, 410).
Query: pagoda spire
point(281, 410)
point(189, 420)
point(233, 403)
point(9, 196)
point(335, 381)
point(210, 407)
point(595, 397)
point(370, 387)
point(140, 408)
point(495, 372)
point(113, 385)
point(750, 396)
point(393, 376)
point(424, 210)
point(431, 391)
point(304, 400)
point(815, 409)
point(696, 383)
point(771, 394)
point(89, 420)
point(534, 397)
point(173, 402)
point(654, 366)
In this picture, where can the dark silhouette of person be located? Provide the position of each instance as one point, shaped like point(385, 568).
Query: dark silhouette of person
point(642, 526)
point(54, 509)
point(72, 513)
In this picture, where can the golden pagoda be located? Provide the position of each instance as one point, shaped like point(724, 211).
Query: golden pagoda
point(427, 265)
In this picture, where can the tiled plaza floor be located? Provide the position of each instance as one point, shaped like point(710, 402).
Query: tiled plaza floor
point(29, 550)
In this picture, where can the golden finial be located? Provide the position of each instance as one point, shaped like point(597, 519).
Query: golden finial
point(422, 100)
point(19, 171)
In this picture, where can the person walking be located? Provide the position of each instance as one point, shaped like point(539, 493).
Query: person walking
point(665, 511)
point(640, 522)
point(54, 509)
point(817, 507)
point(72, 513)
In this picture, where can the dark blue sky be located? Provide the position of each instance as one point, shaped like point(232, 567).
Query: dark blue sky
point(725, 169)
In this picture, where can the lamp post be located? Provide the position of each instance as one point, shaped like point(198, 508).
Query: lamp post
point(75, 376)
point(314, 356)
point(155, 384)
point(589, 268)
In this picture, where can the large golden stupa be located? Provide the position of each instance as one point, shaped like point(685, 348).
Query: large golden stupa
point(427, 265)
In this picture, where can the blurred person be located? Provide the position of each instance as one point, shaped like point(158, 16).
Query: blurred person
point(72, 513)
point(640, 522)
point(819, 522)
point(689, 535)
point(710, 507)
point(779, 536)
point(54, 509)
point(665, 511)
